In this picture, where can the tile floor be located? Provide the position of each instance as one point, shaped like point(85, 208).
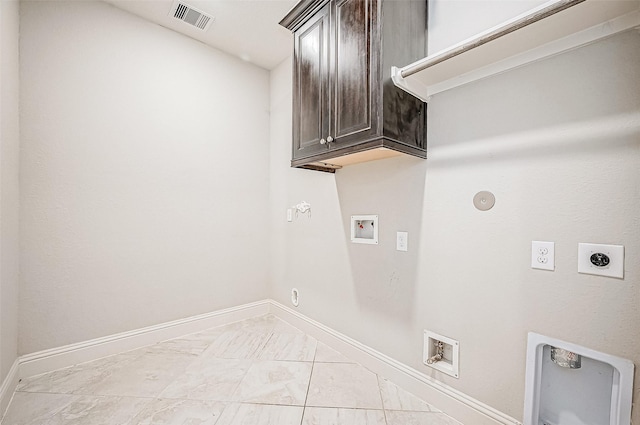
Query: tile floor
point(260, 371)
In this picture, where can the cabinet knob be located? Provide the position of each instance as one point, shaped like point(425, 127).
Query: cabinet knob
point(322, 141)
point(329, 139)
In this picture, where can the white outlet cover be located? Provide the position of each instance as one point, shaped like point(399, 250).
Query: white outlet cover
point(402, 241)
point(611, 259)
point(543, 255)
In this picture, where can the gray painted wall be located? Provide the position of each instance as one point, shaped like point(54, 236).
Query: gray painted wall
point(451, 22)
point(558, 143)
point(9, 197)
point(143, 175)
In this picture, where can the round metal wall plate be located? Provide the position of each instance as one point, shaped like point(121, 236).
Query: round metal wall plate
point(484, 200)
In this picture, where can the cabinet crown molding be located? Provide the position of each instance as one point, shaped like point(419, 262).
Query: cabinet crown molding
point(300, 12)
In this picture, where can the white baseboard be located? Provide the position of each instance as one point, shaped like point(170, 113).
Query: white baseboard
point(451, 401)
point(68, 355)
point(8, 387)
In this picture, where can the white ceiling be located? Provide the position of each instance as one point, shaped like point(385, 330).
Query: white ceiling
point(247, 29)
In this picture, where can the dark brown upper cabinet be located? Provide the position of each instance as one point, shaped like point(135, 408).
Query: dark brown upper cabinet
point(346, 109)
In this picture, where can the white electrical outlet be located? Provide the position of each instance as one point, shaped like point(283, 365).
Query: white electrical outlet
point(402, 241)
point(289, 214)
point(543, 255)
point(602, 260)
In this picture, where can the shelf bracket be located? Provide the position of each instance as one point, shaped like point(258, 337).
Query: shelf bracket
point(410, 87)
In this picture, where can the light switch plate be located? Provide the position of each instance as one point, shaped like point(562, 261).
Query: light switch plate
point(543, 255)
point(601, 260)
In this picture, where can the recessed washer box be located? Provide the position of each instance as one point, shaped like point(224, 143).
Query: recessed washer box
point(600, 392)
point(451, 353)
point(364, 229)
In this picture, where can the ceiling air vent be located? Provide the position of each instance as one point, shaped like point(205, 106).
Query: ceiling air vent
point(191, 15)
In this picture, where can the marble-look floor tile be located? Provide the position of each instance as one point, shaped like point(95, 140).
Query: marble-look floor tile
point(181, 345)
point(326, 354)
point(207, 336)
point(334, 416)
point(35, 408)
point(99, 410)
point(208, 378)
point(301, 348)
point(260, 324)
point(260, 371)
point(260, 414)
point(275, 382)
point(418, 418)
point(61, 409)
point(179, 412)
point(144, 376)
point(236, 345)
point(73, 378)
point(343, 385)
point(395, 398)
point(282, 327)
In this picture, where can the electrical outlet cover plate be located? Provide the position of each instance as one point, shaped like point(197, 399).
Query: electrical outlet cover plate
point(543, 255)
point(402, 241)
point(601, 260)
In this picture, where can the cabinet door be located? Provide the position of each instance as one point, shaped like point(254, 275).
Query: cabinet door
point(311, 86)
point(354, 79)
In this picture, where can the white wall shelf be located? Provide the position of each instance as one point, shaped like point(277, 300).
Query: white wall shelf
point(537, 34)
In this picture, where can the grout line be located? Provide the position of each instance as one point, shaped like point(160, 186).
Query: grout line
point(246, 372)
point(384, 409)
point(262, 360)
point(256, 354)
point(366, 409)
point(313, 363)
point(226, 406)
point(89, 395)
point(181, 374)
point(285, 405)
